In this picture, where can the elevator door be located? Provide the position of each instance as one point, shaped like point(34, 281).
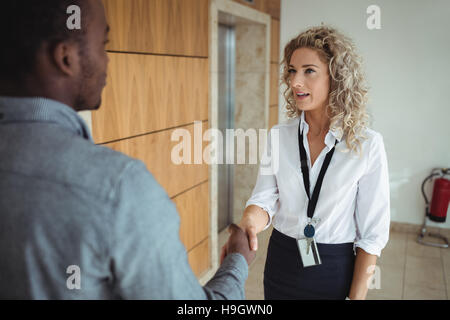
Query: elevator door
point(226, 121)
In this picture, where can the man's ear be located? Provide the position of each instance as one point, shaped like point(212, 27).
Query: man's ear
point(66, 58)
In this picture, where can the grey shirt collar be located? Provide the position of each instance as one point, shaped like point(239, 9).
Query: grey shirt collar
point(38, 109)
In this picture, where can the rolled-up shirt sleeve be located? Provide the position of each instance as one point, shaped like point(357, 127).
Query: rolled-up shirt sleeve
point(265, 193)
point(372, 214)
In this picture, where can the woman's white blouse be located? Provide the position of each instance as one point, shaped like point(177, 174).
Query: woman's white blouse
point(353, 204)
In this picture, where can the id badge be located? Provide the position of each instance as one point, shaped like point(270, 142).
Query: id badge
point(311, 258)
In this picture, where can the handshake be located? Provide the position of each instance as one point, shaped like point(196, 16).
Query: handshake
point(238, 242)
point(243, 238)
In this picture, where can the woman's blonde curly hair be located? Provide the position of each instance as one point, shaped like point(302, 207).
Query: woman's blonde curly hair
point(348, 91)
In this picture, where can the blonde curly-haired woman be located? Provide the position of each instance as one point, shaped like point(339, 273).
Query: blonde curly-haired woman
point(322, 247)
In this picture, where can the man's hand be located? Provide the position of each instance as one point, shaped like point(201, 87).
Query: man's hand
point(238, 242)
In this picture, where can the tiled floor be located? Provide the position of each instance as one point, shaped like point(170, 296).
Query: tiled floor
point(407, 269)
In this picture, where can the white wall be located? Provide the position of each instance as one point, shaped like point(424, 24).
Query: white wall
point(407, 63)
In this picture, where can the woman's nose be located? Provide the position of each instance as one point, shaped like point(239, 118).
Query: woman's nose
point(297, 82)
point(297, 85)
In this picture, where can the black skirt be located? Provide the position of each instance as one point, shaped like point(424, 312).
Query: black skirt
point(285, 278)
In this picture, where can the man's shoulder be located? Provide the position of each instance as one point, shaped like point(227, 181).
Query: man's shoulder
point(100, 157)
point(95, 168)
point(113, 170)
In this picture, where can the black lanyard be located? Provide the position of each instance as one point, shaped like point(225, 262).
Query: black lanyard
point(305, 172)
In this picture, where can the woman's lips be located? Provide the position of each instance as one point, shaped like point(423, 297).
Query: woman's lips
point(302, 96)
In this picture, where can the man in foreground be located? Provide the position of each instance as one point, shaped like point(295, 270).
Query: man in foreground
point(68, 206)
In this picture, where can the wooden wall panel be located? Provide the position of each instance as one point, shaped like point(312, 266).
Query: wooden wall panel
point(200, 257)
point(272, 7)
point(146, 93)
point(255, 4)
point(158, 26)
point(273, 116)
point(274, 83)
point(193, 207)
point(155, 151)
point(275, 41)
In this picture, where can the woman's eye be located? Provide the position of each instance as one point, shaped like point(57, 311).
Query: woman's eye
point(291, 70)
point(309, 70)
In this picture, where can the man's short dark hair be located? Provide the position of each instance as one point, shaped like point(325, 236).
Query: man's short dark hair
point(26, 24)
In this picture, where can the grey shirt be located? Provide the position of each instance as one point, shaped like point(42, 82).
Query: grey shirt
point(68, 205)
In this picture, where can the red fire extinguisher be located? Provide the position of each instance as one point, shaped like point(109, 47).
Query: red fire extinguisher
point(437, 209)
point(440, 200)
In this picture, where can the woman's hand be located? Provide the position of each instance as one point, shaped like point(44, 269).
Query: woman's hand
point(250, 227)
